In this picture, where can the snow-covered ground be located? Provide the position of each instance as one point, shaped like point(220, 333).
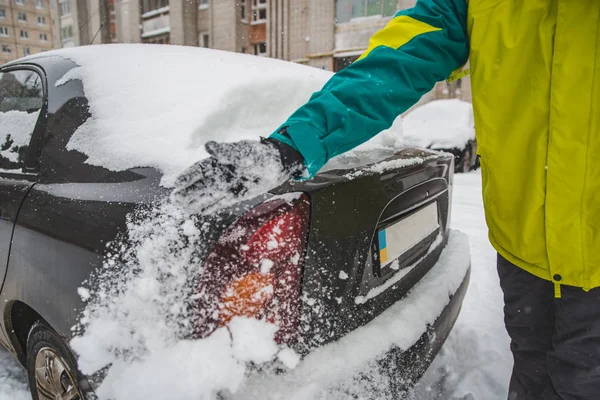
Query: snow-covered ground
point(475, 359)
point(13, 382)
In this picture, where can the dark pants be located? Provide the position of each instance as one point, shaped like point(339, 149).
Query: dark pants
point(555, 342)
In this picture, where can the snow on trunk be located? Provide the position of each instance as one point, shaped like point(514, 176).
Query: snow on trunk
point(159, 105)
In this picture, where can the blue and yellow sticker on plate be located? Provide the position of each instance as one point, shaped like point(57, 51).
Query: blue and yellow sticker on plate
point(382, 247)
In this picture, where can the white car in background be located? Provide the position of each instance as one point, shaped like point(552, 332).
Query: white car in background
point(445, 125)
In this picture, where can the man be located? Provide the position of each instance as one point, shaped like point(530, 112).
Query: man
point(535, 71)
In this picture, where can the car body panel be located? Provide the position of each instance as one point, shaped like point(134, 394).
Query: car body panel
point(12, 193)
point(348, 206)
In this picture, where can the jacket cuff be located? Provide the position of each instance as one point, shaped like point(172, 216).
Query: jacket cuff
point(305, 139)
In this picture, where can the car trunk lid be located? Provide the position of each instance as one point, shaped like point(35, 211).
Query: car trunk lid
point(376, 229)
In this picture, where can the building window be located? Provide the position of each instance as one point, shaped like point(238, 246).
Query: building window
point(162, 38)
point(204, 40)
point(3, 31)
point(2, 13)
point(24, 34)
point(66, 32)
point(342, 62)
point(26, 51)
point(349, 9)
point(203, 4)
point(20, 2)
point(39, 3)
point(64, 7)
point(151, 5)
point(41, 20)
point(43, 37)
point(22, 17)
point(243, 11)
point(260, 49)
point(259, 11)
point(6, 49)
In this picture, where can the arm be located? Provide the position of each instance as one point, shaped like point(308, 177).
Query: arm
point(418, 48)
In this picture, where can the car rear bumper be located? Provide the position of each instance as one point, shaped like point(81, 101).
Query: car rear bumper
point(388, 354)
point(405, 368)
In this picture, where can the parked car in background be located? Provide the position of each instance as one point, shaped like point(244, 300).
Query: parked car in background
point(86, 140)
point(444, 125)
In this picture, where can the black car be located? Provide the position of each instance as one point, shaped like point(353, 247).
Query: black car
point(444, 125)
point(58, 212)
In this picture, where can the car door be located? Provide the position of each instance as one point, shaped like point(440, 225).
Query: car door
point(22, 113)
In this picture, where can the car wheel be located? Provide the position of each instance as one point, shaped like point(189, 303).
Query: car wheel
point(51, 366)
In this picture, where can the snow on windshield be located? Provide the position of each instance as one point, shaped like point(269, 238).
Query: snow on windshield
point(156, 106)
point(441, 124)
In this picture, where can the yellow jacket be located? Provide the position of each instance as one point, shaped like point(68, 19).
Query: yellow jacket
point(535, 74)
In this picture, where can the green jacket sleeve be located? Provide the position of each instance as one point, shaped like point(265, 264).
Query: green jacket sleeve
point(419, 47)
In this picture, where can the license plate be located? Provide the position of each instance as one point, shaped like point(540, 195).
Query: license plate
point(397, 239)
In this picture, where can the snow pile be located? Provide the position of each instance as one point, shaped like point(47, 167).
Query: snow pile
point(158, 105)
point(140, 319)
point(13, 384)
point(137, 330)
point(391, 138)
point(16, 128)
point(440, 124)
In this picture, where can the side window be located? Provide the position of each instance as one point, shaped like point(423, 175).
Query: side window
point(21, 99)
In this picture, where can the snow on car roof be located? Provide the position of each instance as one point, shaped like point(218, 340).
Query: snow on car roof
point(440, 124)
point(156, 106)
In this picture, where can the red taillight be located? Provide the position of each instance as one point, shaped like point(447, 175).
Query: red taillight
point(255, 269)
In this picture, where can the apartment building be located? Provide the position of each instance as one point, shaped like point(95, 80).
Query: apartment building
point(82, 22)
point(326, 34)
point(25, 28)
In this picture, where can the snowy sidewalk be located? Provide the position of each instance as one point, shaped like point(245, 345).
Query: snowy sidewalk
point(476, 357)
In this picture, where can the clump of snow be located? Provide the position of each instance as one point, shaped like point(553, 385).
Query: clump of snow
point(159, 105)
point(248, 345)
point(266, 265)
point(83, 293)
point(439, 124)
point(289, 358)
point(16, 128)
